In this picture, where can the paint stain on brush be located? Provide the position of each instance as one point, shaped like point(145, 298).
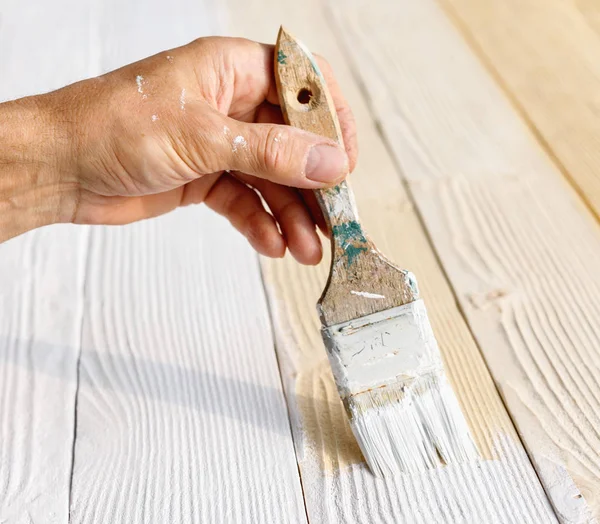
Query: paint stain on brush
point(351, 238)
point(366, 294)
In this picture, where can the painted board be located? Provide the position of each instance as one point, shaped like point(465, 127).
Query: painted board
point(41, 279)
point(181, 415)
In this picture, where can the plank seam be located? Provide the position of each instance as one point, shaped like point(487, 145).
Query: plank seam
point(487, 64)
point(388, 146)
point(85, 263)
point(285, 396)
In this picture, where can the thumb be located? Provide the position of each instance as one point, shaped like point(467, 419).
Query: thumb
point(283, 154)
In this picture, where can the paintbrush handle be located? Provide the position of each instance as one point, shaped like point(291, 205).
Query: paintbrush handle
point(361, 280)
point(307, 104)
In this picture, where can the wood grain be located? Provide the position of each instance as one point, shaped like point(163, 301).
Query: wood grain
point(517, 243)
point(503, 488)
point(41, 277)
point(546, 55)
point(181, 416)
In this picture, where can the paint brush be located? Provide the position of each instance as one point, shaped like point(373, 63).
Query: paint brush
point(384, 356)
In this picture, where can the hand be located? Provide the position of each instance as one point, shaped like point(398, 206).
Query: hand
point(200, 123)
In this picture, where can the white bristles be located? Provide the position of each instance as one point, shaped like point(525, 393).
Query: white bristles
point(390, 375)
point(410, 428)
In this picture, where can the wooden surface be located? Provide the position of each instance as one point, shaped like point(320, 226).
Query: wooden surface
point(142, 372)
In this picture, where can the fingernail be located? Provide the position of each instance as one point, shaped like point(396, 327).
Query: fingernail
point(326, 164)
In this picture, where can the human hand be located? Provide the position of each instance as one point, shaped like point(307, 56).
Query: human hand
point(199, 123)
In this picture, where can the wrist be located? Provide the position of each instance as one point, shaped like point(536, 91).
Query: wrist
point(37, 182)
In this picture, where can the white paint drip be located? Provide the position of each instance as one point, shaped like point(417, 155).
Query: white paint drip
point(154, 118)
point(366, 294)
point(182, 99)
point(238, 142)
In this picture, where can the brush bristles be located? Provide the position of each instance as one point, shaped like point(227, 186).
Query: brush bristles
point(411, 427)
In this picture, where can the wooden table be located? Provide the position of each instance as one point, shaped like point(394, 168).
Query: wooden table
point(160, 372)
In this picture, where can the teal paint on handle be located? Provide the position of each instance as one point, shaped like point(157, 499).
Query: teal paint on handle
point(349, 234)
point(281, 57)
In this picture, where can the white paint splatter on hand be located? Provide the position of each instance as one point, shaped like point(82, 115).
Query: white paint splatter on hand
point(366, 294)
point(277, 138)
point(182, 99)
point(238, 142)
point(226, 130)
point(170, 58)
point(139, 80)
point(154, 118)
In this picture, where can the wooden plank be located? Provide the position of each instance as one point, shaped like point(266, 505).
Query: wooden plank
point(337, 485)
point(517, 243)
point(591, 12)
point(41, 276)
point(181, 415)
point(546, 54)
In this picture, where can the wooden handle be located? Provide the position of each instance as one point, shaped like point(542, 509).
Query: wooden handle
point(361, 280)
point(307, 104)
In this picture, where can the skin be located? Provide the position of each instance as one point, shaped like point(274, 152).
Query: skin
point(132, 144)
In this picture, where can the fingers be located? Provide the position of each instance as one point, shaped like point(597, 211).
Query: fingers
point(294, 218)
point(254, 82)
point(243, 208)
point(310, 200)
point(279, 153)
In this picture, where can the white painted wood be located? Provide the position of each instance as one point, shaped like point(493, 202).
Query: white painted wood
point(337, 485)
point(517, 243)
point(41, 277)
point(181, 415)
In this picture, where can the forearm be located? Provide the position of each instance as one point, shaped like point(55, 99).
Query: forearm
point(34, 179)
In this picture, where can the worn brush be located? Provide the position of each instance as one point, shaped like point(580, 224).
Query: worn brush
point(384, 357)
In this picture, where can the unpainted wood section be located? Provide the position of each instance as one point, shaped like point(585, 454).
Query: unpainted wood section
point(41, 275)
point(546, 55)
point(337, 485)
point(590, 9)
point(181, 416)
point(517, 243)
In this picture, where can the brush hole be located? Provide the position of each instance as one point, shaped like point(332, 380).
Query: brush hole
point(304, 95)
